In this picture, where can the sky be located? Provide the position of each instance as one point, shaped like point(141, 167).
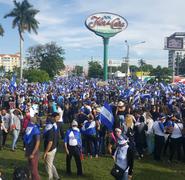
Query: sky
point(62, 21)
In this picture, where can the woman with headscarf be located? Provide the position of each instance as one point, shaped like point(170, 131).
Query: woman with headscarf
point(124, 159)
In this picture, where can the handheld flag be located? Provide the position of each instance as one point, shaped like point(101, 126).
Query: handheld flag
point(106, 116)
point(13, 84)
point(31, 130)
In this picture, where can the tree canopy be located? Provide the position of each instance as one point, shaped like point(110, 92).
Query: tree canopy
point(78, 70)
point(1, 30)
point(35, 75)
point(162, 74)
point(48, 57)
point(95, 70)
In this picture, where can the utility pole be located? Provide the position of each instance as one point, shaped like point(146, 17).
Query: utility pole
point(127, 58)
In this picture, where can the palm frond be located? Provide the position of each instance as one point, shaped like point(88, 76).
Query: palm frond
point(1, 30)
point(24, 17)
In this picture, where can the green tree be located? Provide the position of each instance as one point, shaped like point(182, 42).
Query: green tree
point(78, 70)
point(2, 71)
point(141, 63)
point(36, 75)
point(133, 68)
point(24, 19)
point(147, 68)
point(182, 66)
point(48, 57)
point(1, 30)
point(95, 70)
point(162, 74)
point(123, 68)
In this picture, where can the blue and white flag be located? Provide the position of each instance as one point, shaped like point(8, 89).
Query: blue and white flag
point(94, 85)
point(106, 116)
point(146, 96)
point(136, 99)
point(13, 84)
point(89, 128)
point(31, 130)
point(50, 126)
point(170, 89)
point(163, 86)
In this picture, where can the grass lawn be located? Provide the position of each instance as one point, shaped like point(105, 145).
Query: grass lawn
point(94, 169)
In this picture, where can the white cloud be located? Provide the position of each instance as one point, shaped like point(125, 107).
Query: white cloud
point(149, 20)
point(9, 2)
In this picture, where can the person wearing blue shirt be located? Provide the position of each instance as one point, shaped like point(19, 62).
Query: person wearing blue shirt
point(90, 139)
point(73, 145)
point(32, 144)
point(54, 107)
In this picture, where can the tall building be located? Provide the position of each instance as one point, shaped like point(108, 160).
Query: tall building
point(9, 61)
point(175, 44)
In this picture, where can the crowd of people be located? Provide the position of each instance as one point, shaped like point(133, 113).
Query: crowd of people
point(147, 119)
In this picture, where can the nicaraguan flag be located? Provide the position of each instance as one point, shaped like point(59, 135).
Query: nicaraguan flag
point(31, 130)
point(146, 96)
point(13, 84)
point(50, 126)
point(163, 86)
point(106, 116)
point(89, 128)
point(136, 99)
point(94, 85)
point(170, 88)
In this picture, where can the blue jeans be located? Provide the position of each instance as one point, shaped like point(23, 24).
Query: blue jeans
point(150, 143)
point(125, 176)
point(15, 133)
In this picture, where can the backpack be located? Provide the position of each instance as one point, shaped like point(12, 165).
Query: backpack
point(21, 173)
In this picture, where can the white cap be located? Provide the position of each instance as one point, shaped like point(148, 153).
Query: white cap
point(98, 109)
point(118, 130)
point(74, 123)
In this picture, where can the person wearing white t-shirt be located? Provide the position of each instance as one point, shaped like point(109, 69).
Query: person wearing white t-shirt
point(176, 140)
point(159, 139)
point(149, 133)
point(31, 110)
point(60, 122)
point(73, 147)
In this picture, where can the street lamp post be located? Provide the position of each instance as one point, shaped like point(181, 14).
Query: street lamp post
point(127, 61)
point(127, 57)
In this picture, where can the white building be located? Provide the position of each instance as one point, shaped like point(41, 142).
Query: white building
point(175, 44)
point(9, 61)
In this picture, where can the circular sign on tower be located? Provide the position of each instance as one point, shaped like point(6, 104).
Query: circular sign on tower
point(106, 24)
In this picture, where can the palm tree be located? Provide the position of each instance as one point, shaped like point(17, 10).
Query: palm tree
point(141, 64)
point(1, 30)
point(24, 19)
